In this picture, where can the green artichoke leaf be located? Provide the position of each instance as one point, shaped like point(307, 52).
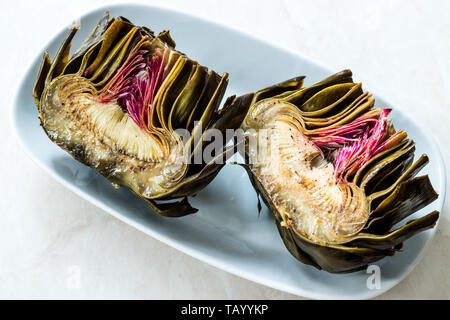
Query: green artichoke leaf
point(112, 60)
point(392, 174)
point(355, 109)
point(165, 37)
point(109, 39)
point(61, 58)
point(205, 119)
point(278, 89)
point(407, 198)
point(172, 209)
point(381, 169)
point(172, 88)
point(232, 114)
point(198, 179)
point(411, 172)
point(396, 142)
point(212, 83)
point(39, 86)
point(330, 98)
point(396, 237)
point(94, 36)
point(299, 97)
point(188, 99)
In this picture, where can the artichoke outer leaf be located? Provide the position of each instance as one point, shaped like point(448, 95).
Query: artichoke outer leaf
point(171, 89)
point(205, 120)
point(112, 60)
point(188, 99)
point(301, 96)
point(329, 98)
point(172, 209)
point(211, 85)
point(61, 58)
point(165, 37)
point(110, 37)
point(232, 114)
point(384, 167)
point(396, 237)
point(94, 36)
point(411, 172)
point(279, 89)
point(407, 198)
point(39, 86)
point(358, 107)
point(397, 141)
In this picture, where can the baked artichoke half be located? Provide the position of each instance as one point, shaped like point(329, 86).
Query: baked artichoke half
point(119, 102)
point(335, 173)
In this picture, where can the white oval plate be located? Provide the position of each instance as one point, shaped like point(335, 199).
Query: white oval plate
point(227, 232)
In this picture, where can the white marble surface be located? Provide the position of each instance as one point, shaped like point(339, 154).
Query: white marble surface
point(48, 235)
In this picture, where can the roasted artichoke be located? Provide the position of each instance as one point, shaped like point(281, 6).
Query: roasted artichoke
point(334, 172)
point(117, 105)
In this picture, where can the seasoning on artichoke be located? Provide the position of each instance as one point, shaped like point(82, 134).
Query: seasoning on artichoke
point(117, 105)
point(335, 173)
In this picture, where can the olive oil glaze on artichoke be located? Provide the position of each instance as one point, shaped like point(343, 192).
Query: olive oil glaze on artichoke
point(334, 172)
point(115, 104)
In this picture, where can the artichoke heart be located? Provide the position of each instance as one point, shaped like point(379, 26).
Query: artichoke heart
point(130, 106)
point(335, 173)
